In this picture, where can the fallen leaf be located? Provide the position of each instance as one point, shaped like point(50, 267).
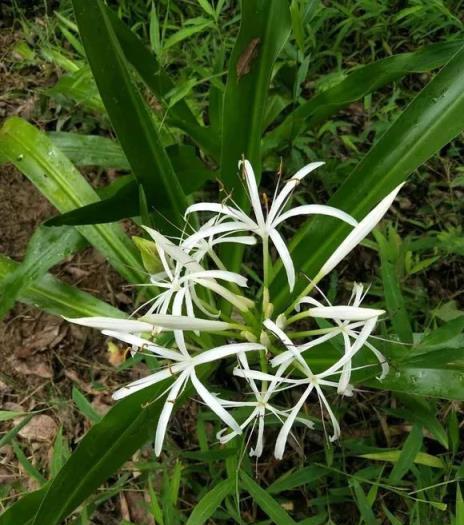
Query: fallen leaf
point(39, 428)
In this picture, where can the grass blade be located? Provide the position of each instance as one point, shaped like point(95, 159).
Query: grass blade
point(210, 502)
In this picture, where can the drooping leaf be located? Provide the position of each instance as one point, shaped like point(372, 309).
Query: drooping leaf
point(46, 248)
point(356, 85)
point(57, 298)
point(128, 112)
point(32, 152)
point(426, 125)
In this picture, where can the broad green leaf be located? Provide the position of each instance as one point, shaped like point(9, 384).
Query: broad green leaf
point(33, 153)
point(107, 445)
point(23, 511)
point(441, 337)
point(392, 456)
point(426, 125)
point(55, 297)
point(206, 507)
point(128, 112)
point(46, 248)
point(265, 27)
point(150, 71)
point(459, 506)
point(408, 455)
point(265, 501)
point(357, 85)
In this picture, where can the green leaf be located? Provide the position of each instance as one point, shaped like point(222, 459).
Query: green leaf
point(6, 415)
point(365, 508)
point(291, 480)
point(186, 32)
point(422, 129)
point(23, 511)
point(393, 456)
point(265, 502)
point(33, 153)
point(128, 112)
point(206, 507)
point(84, 406)
point(408, 455)
point(55, 297)
point(108, 444)
point(389, 249)
point(459, 506)
point(264, 29)
point(356, 85)
point(441, 338)
point(45, 249)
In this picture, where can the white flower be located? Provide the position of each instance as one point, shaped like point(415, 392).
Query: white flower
point(265, 228)
point(260, 406)
point(182, 365)
point(179, 280)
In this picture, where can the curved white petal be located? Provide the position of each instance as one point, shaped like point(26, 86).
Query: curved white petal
point(280, 201)
point(167, 410)
point(316, 209)
point(258, 450)
point(220, 352)
point(223, 227)
point(286, 427)
point(253, 192)
point(152, 379)
point(335, 425)
point(359, 232)
point(285, 256)
point(224, 275)
point(213, 404)
point(240, 302)
point(222, 209)
point(177, 305)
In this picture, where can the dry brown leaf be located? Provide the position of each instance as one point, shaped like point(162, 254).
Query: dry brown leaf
point(39, 428)
point(32, 367)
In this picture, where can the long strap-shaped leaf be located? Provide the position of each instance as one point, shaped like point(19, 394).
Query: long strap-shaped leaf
point(146, 65)
point(46, 248)
point(356, 85)
point(55, 297)
point(33, 153)
point(428, 123)
point(128, 112)
point(265, 27)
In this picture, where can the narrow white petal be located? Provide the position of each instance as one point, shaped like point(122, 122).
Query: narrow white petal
point(316, 209)
point(335, 425)
point(152, 379)
point(112, 323)
point(359, 232)
point(241, 303)
point(177, 305)
point(238, 239)
point(256, 452)
point(182, 322)
point(222, 209)
point(345, 376)
point(167, 410)
point(285, 256)
point(224, 227)
point(224, 275)
point(345, 313)
point(280, 201)
point(144, 344)
point(213, 404)
point(286, 427)
point(214, 354)
point(253, 192)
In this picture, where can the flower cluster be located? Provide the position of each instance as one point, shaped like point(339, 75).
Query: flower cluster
point(198, 302)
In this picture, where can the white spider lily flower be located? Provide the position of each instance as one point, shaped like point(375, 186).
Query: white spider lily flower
point(184, 368)
point(261, 406)
point(359, 232)
point(195, 274)
point(265, 228)
point(348, 330)
point(150, 323)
